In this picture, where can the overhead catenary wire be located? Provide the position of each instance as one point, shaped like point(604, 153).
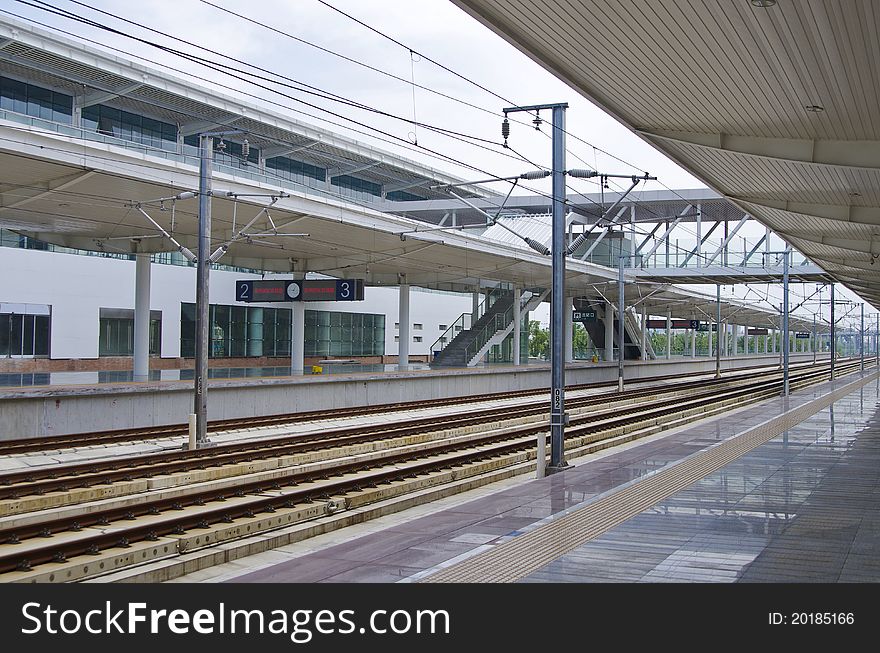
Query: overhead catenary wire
point(584, 141)
point(397, 138)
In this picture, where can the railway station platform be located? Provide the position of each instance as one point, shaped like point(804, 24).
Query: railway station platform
point(36, 411)
point(782, 491)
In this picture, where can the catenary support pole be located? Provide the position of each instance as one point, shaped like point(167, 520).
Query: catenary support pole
point(862, 340)
point(785, 388)
point(833, 334)
point(621, 326)
point(717, 330)
point(206, 158)
point(557, 312)
point(568, 345)
point(815, 344)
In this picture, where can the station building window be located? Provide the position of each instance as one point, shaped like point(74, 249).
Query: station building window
point(116, 332)
point(249, 331)
point(238, 331)
point(294, 170)
point(35, 101)
point(333, 333)
point(130, 127)
point(403, 196)
point(356, 187)
point(24, 330)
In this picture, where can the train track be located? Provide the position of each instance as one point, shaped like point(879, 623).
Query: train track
point(92, 532)
point(62, 478)
point(37, 444)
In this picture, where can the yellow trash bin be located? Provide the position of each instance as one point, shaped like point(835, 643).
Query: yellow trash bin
point(317, 369)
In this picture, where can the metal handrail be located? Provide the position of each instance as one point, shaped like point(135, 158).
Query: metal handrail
point(450, 335)
point(500, 322)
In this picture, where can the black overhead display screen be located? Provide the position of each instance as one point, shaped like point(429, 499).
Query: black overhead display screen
point(286, 290)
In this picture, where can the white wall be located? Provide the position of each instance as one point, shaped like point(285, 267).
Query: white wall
point(77, 287)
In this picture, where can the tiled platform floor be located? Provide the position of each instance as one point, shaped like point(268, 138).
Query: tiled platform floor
point(803, 507)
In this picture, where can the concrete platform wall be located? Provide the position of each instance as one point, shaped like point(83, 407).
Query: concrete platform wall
point(57, 411)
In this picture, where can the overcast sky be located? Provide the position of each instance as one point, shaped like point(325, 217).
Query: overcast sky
point(434, 28)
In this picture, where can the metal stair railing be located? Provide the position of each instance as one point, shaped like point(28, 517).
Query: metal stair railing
point(484, 335)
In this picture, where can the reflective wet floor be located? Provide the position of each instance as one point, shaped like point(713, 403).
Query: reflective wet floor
point(804, 506)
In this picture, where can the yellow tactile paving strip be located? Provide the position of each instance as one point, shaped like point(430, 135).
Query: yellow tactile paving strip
point(525, 554)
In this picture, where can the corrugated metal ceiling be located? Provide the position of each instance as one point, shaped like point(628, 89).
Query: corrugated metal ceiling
point(710, 70)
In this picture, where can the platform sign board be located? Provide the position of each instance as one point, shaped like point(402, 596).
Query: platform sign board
point(257, 290)
point(287, 290)
point(674, 324)
point(758, 332)
point(583, 316)
point(802, 336)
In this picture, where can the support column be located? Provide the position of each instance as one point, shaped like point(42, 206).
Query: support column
point(772, 341)
point(477, 298)
point(693, 343)
point(517, 324)
point(142, 317)
point(609, 332)
point(668, 335)
point(568, 345)
point(709, 340)
point(404, 322)
point(297, 337)
point(644, 332)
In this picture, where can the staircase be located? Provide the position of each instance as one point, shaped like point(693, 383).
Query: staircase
point(469, 346)
point(632, 332)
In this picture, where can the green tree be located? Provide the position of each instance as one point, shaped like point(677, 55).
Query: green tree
point(581, 342)
point(539, 340)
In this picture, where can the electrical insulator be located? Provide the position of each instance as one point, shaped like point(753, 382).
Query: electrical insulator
point(505, 130)
point(537, 121)
point(245, 149)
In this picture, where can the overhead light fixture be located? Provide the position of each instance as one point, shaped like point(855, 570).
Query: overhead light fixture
point(814, 108)
point(763, 4)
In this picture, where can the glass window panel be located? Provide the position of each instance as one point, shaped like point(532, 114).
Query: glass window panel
point(15, 335)
point(155, 337)
point(5, 326)
point(41, 339)
point(28, 335)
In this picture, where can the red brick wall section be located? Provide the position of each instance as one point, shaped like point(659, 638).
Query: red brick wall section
point(122, 363)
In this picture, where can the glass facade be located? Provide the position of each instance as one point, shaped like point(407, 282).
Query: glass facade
point(130, 127)
point(24, 335)
point(331, 333)
point(402, 196)
point(238, 331)
point(35, 101)
point(248, 331)
point(295, 170)
point(359, 188)
point(116, 336)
